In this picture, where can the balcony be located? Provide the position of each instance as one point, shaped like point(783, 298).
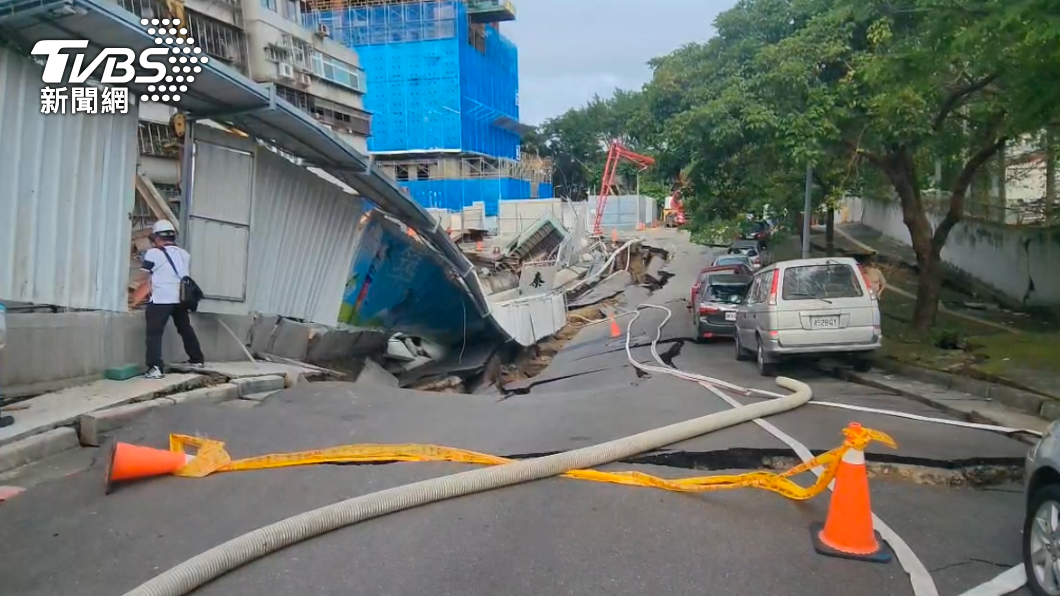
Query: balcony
point(491, 11)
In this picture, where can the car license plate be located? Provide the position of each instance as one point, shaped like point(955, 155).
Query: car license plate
point(824, 322)
point(730, 316)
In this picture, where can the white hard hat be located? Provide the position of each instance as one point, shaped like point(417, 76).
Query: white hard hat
point(163, 226)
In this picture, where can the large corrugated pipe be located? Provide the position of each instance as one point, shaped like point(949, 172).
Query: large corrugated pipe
point(189, 575)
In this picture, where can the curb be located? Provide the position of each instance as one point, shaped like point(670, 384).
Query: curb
point(978, 410)
point(87, 429)
point(38, 447)
point(1023, 401)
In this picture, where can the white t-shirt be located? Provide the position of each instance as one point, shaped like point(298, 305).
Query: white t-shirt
point(165, 282)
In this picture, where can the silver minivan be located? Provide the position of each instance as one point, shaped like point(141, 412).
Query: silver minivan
point(808, 307)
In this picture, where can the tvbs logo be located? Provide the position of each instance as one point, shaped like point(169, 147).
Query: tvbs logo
point(165, 69)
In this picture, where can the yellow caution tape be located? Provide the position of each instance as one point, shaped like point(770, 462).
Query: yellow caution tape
point(211, 457)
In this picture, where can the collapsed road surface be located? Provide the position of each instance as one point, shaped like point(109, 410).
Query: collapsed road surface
point(948, 492)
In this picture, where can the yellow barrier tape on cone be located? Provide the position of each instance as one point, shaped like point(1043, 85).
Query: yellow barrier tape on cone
point(211, 457)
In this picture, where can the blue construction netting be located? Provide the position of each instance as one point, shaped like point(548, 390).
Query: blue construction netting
point(454, 195)
point(429, 88)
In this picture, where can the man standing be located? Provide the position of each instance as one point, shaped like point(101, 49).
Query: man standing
point(164, 266)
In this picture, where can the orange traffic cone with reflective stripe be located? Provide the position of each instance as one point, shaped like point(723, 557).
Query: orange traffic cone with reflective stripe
point(848, 531)
point(131, 462)
point(615, 330)
point(614, 235)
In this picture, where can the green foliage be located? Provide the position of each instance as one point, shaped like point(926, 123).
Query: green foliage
point(872, 93)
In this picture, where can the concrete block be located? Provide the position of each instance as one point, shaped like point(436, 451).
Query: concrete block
point(1023, 401)
point(923, 375)
point(291, 339)
point(252, 385)
point(1050, 410)
point(261, 334)
point(215, 394)
point(36, 448)
point(375, 374)
point(91, 427)
point(258, 396)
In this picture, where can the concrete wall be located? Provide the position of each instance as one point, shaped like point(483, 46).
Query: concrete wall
point(46, 352)
point(1020, 263)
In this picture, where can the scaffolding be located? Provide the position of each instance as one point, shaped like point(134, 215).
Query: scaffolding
point(479, 11)
point(475, 167)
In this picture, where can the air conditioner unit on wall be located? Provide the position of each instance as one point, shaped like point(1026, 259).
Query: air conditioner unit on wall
point(304, 80)
point(322, 30)
point(286, 71)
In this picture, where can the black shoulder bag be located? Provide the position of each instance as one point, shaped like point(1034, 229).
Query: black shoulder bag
point(190, 292)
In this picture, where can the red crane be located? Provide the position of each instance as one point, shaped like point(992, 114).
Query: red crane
point(616, 153)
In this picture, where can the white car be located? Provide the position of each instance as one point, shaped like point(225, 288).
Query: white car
point(806, 308)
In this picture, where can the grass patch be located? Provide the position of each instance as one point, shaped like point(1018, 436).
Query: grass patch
point(1008, 352)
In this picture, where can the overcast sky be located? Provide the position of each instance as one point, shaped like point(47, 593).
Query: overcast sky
point(571, 49)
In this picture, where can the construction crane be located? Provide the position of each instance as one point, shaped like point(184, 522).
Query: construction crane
point(615, 154)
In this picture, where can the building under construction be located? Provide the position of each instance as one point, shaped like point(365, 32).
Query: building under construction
point(443, 89)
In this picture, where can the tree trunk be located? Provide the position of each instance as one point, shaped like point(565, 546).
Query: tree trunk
point(829, 231)
point(902, 173)
point(928, 290)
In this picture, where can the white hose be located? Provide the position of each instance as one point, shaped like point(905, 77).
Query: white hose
point(214, 563)
point(1005, 430)
point(919, 577)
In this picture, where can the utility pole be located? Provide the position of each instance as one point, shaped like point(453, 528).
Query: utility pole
point(806, 212)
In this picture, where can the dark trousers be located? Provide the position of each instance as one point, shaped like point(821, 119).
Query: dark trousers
point(157, 316)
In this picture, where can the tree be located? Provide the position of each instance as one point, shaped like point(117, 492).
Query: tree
point(902, 83)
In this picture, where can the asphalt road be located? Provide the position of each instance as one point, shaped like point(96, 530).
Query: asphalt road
point(557, 536)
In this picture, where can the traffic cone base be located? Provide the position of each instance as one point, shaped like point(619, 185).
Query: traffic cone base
point(130, 462)
point(881, 555)
point(848, 531)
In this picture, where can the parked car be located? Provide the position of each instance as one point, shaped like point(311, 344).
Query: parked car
point(758, 230)
point(706, 273)
point(807, 308)
point(717, 302)
point(753, 249)
point(731, 260)
point(1041, 548)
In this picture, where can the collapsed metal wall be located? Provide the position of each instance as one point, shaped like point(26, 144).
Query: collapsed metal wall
point(267, 235)
point(66, 192)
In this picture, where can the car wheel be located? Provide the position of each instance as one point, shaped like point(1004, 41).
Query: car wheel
point(765, 368)
point(862, 365)
point(1041, 541)
point(741, 353)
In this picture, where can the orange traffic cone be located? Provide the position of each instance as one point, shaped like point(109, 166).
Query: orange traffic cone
point(640, 226)
point(615, 330)
point(614, 235)
point(478, 247)
point(848, 532)
point(129, 462)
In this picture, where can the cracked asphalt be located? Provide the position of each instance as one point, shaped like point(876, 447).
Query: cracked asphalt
point(557, 536)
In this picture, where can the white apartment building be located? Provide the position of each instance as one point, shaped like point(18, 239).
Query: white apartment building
point(264, 40)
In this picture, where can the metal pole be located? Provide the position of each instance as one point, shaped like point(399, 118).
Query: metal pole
point(807, 211)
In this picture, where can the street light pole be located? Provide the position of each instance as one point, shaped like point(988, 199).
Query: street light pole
point(806, 210)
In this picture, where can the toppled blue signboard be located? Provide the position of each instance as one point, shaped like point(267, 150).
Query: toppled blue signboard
point(397, 284)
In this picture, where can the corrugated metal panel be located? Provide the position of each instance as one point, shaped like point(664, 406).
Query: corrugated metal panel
point(303, 240)
point(219, 259)
point(222, 186)
point(219, 224)
point(66, 192)
point(529, 320)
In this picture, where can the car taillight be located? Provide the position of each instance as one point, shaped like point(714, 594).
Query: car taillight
point(773, 288)
point(706, 310)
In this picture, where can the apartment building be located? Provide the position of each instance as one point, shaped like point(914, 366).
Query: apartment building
point(266, 41)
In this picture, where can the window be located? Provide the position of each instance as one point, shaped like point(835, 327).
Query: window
point(401, 173)
point(423, 172)
point(731, 260)
point(821, 282)
point(726, 294)
point(269, 4)
point(338, 72)
point(753, 293)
